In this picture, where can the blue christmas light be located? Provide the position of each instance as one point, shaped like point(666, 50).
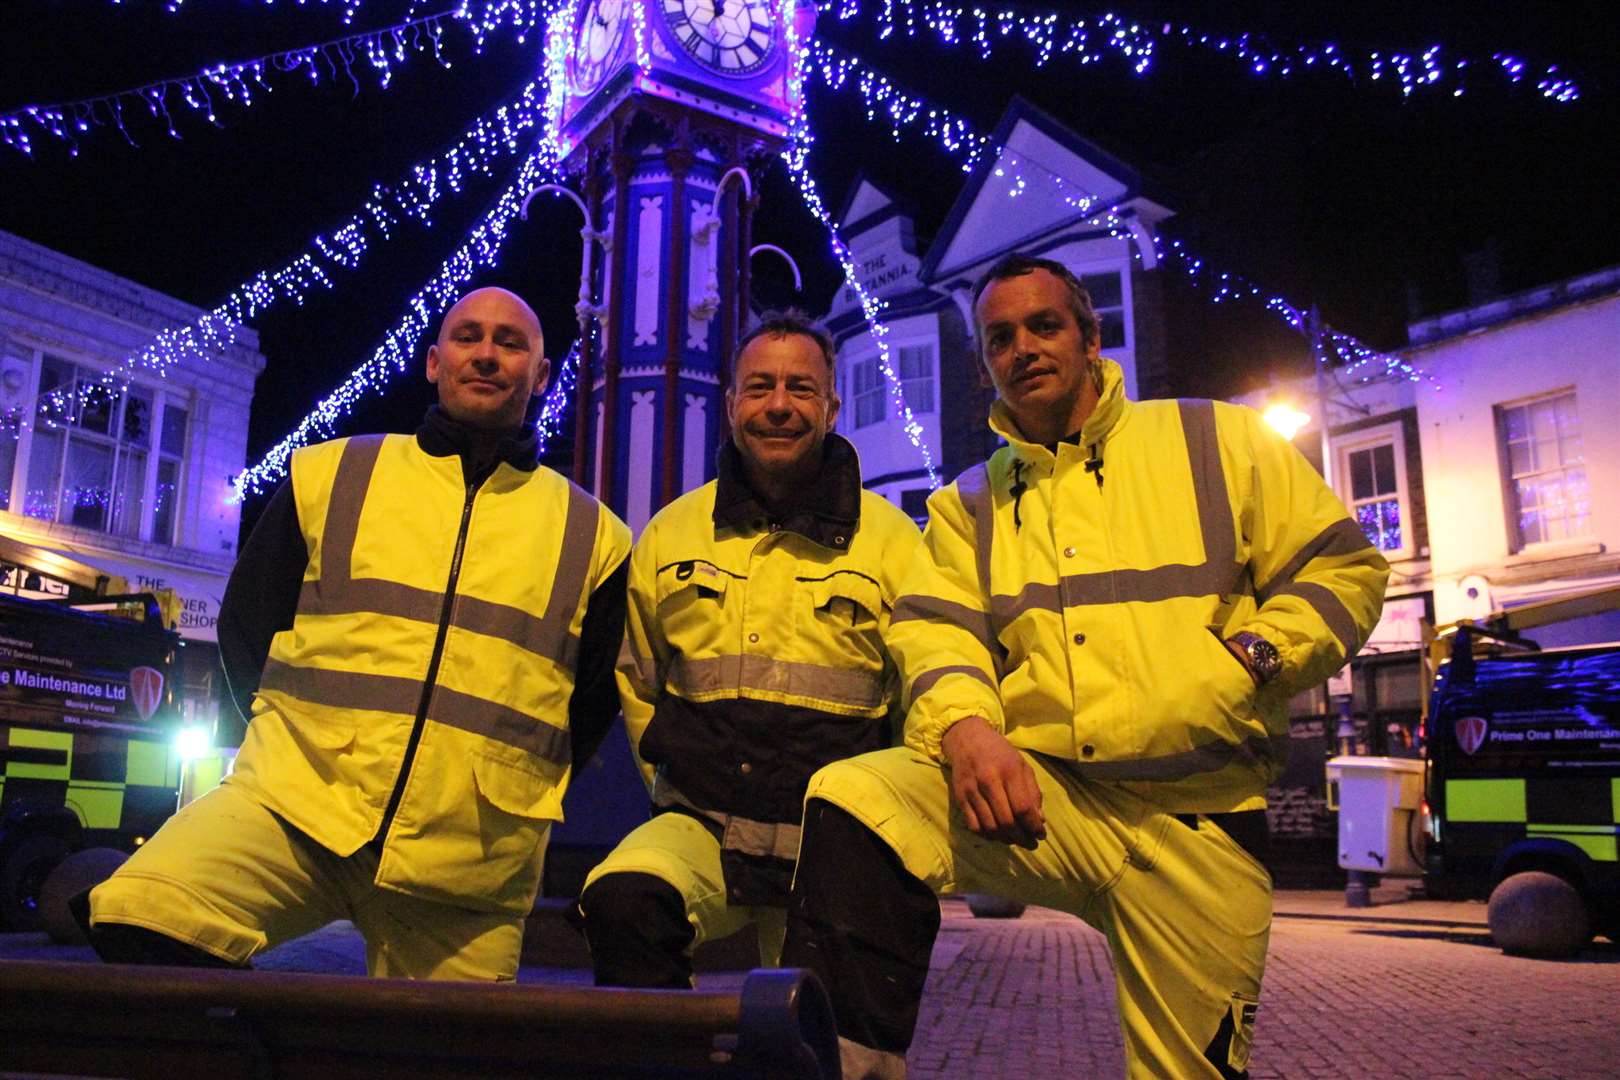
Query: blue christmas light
point(208, 91)
point(1090, 39)
point(796, 155)
point(480, 248)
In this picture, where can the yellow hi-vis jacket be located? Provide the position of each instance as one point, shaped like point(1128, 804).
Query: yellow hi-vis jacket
point(450, 612)
point(754, 654)
point(1077, 600)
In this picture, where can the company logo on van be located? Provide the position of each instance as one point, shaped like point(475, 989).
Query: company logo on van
point(145, 690)
point(1471, 732)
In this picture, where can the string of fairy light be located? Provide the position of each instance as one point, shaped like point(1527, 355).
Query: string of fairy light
point(886, 102)
point(489, 140)
point(800, 141)
point(1048, 35)
point(480, 249)
point(376, 54)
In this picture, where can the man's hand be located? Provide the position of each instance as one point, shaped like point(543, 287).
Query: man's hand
point(993, 785)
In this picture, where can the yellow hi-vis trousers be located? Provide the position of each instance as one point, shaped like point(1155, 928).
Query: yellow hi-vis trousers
point(1186, 911)
point(231, 878)
point(680, 851)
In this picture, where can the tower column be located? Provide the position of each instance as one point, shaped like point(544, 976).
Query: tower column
point(623, 159)
point(679, 158)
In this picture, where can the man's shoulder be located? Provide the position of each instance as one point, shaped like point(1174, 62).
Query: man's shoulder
point(684, 511)
point(885, 518)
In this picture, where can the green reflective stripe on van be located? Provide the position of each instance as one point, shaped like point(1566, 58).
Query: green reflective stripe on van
point(1598, 841)
point(1614, 788)
point(99, 805)
point(59, 741)
point(1485, 800)
point(148, 764)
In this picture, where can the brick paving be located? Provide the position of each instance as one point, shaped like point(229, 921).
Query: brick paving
point(1407, 990)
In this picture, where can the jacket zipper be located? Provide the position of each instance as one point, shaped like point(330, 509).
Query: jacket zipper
point(432, 671)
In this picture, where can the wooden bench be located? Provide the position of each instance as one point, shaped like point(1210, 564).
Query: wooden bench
point(171, 1023)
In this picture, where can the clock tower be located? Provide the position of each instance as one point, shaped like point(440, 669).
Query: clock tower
point(669, 105)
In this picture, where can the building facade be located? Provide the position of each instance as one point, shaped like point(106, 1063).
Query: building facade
point(127, 473)
point(1047, 184)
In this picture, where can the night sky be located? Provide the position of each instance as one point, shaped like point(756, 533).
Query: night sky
point(1327, 192)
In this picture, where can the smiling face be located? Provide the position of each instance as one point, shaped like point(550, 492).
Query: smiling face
point(781, 406)
point(488, 360)
point(1037, 354)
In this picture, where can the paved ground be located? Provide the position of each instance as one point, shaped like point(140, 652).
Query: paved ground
point(1407, 988)
point(1403, 989)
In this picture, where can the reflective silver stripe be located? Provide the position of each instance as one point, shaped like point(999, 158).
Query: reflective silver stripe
point(630, 662)
point(1209, 485)
point(1330, 608)
point(917, 606)
point(1218, 575)
point(973, 486)
point(1343, 537)
point(925, 682)
point(1204, 759)
point(332, 595)
point(343, 505)
point(396, 694)
point(779, 840)
point(338, 593)
point(568, 584)
point(1148, 586)
point(346, 500)
point(760, 838)
point(689, 676)
point(343, 689)
point(477, 715)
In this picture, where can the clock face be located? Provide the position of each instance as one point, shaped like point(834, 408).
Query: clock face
point(733, 37)
point(596, 42)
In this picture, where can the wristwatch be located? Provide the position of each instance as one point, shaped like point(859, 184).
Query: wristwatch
point(1264, 661)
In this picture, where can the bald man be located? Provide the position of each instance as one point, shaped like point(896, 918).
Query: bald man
point(421, 631)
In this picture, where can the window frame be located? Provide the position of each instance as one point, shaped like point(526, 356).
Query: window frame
point(161, 399)
point(853, 397)
point(1517, 544)
point(1393, 435)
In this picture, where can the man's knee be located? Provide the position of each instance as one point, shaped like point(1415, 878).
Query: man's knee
point(638, 930)
point(864, 924)
point(122, 943)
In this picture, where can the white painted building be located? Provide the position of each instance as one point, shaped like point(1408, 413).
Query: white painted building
point(1036, 197)
point(133, 482)
point(1494, 479)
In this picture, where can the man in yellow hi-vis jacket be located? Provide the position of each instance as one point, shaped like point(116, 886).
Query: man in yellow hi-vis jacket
point(1098, 650)
point(429, 622)
point(753, 656)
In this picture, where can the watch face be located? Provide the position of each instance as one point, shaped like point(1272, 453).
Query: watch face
point(733, 37)
point(596, 42)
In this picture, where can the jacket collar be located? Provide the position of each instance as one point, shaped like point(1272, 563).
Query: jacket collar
point(481, 450)
point(1110, 413)
point(826, 511)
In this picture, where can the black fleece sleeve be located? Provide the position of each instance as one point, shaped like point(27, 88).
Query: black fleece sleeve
point(261, 597)
point(596, 696)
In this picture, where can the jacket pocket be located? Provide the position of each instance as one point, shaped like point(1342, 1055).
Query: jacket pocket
point(846, 616)
point(324, 733)
point(848, 599)
point(511, 787)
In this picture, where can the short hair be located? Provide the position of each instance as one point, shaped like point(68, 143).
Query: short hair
point(782, 322)
point(1017, 265)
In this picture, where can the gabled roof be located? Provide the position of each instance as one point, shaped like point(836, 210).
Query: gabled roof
point(868, 205)
point(1042, 171)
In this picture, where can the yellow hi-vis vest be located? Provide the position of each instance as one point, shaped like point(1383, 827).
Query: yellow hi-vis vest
point(1077, 600)
point(427, 604)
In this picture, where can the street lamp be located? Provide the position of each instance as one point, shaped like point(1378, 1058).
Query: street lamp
point(1286, 419)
